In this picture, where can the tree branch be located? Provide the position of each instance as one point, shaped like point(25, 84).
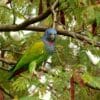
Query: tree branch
point(4, 69)
point(60, 32)
point(8, 50)
point(25, 26)
point(8, 61)
point(2, 89)
point(78, 36)
point(28, 21)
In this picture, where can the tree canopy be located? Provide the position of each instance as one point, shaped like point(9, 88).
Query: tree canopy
point(75, 67)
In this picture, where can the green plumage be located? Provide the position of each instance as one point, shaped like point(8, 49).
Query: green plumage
point(36, 53)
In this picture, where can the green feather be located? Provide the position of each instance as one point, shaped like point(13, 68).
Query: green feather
point(35, 52)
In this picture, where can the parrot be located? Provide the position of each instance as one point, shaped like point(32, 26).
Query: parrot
point(36, 54)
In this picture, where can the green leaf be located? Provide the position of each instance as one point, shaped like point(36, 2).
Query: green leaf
point(91, 80)
point(20, 84)
point(35, 97)
point(97, 14)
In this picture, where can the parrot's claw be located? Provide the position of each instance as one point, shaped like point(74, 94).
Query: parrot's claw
point(36, 74)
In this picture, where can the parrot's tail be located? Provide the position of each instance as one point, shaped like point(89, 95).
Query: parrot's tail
point(11, 76)
point(11, 69)
point(16, 73)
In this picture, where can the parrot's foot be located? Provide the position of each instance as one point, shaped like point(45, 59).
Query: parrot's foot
point(38, 74)
point(43, 69)
point(34, 74)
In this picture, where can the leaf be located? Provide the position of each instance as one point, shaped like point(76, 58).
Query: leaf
point(97, 14)
point(20, 84)
point(89, 14)
point(4, 13)
point(91, 80)
point(83, 94)
point(35, 97)
point(83, 58)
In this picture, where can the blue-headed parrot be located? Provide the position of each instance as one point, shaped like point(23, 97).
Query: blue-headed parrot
point(36, 54)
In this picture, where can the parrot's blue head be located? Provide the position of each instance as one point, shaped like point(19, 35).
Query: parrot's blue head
point(49, 39)
point(50, 35)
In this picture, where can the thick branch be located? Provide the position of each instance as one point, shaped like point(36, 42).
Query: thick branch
point(65, 33)
point(29, 21)
point(78, 36)
point(25, 26)
point(60, 32)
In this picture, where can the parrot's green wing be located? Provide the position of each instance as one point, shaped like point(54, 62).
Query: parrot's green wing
point(34, 52)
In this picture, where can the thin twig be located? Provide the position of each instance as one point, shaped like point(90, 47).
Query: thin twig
point(16, 52)
point(54, 14)
point(8, 61)
point(4, 69)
